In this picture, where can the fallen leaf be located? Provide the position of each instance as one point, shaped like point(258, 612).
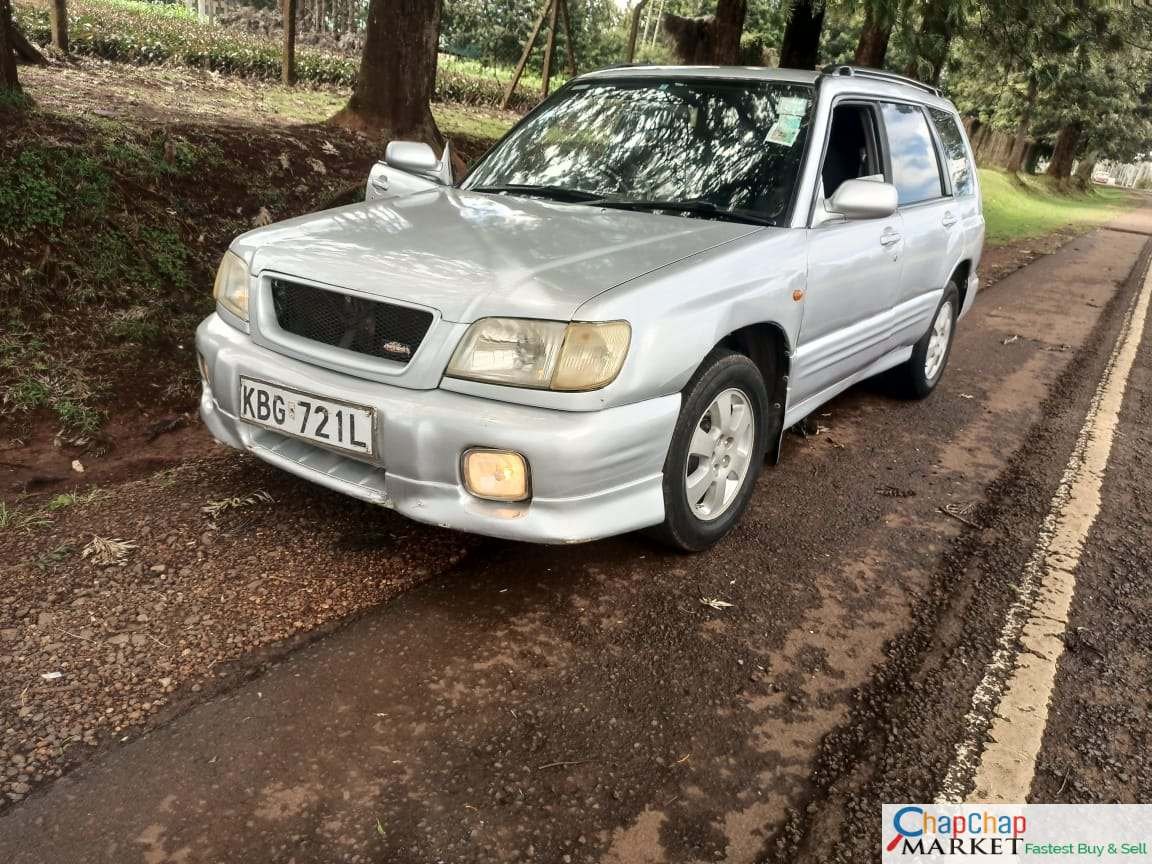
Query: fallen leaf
point(52, 676)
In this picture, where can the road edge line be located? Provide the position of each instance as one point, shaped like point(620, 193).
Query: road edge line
point(1011, 702)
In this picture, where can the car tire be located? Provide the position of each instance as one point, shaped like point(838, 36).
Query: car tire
point(714, 458)
point(919, 375)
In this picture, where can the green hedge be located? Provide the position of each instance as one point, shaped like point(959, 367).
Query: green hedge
point(145, 33)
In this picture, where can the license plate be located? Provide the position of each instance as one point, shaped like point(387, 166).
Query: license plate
point(315, 418)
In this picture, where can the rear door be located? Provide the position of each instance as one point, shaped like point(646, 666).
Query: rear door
point(932, 238)
point(853, 265)
point(961, 178)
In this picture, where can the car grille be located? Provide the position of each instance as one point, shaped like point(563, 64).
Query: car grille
point(357, 324)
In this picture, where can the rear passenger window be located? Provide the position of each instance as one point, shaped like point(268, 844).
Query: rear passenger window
point(915, 168)
point(953, 140)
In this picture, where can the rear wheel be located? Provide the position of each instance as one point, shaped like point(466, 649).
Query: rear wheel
point(922, 372)
point(717, 452)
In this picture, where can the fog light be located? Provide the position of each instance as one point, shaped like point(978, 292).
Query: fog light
point(496, 475)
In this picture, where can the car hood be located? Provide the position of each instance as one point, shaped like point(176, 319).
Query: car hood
point(472, 255)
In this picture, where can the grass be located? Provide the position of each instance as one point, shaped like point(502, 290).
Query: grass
point(303, 105)
point(74, 498)
point(1017, 208)
point(20, 519)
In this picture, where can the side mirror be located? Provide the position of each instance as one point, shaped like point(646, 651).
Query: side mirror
point(416, 157)
point(864, 199)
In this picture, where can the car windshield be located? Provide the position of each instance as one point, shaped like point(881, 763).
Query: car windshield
point(701, 147)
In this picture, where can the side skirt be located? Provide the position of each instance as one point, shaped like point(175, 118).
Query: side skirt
point(795, 413)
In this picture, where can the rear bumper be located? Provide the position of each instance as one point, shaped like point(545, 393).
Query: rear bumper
point(594, 474)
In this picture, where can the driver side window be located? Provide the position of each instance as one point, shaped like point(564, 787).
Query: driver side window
point(853, 152)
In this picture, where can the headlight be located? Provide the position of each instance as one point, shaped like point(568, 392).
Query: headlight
point(231, 288)
point(542, 354)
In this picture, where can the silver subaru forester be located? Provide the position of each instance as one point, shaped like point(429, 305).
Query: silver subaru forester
point(609, 324)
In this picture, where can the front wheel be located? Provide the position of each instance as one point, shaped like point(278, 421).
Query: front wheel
point(922, 372)
point(716, 454)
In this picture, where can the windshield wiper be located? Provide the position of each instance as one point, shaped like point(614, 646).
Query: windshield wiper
point(697, 208)
point(558, 193)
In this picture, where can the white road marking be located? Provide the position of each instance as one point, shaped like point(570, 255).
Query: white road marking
point(1011, 702)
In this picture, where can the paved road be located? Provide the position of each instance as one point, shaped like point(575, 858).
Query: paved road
point(583, 704)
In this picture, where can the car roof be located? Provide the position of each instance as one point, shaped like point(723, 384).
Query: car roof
point(838, 78)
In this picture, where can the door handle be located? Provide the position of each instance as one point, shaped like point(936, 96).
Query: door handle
point(889, 237)
point(949, 220)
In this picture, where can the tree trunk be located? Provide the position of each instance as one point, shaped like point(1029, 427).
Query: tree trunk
point(58, 15)
point(800, 48)
point(710, 40)
point(932, 42)
point(288, 61)
point(1020, 145)
point(873, 45)
point(730, 15)
point(1064, 153)
point(1084, 169)
point(9, 80)
point(633, 29)
point(26, 52)
point(549, 50)
point(938, 63)
point(397, 72)
point(691, 39)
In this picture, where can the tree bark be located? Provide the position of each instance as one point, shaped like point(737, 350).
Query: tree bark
point(9, 79)
point(800, 48)
point(58, 15)
point(288, 61)
point(397, 78)
point(1064, 153)
point(634, 28)
point(729, 23)
point(569, 42)
point(873, 45)
point(710, 40)
point(26, 52)
point(1020, 145)
point(1084, 169)
point(549, 49)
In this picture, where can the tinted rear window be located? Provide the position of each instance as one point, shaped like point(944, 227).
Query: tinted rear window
point(915, 168)
point(957, 157)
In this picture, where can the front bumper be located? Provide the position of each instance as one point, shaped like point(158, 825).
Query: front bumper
point(594, 473)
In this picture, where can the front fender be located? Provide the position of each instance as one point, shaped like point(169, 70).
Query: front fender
point(680, 313)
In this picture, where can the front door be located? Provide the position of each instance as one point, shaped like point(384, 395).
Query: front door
point(853, 267)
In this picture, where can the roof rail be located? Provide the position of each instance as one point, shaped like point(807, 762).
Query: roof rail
point(846, 71)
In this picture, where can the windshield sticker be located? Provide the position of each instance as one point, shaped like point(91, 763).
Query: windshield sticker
point(792, 105)
point(785, 130)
